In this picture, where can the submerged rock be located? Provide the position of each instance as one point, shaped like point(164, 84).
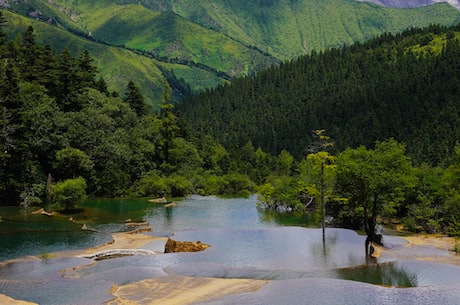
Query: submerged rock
point(159, 200)
point(43, 212)
point(173, 246)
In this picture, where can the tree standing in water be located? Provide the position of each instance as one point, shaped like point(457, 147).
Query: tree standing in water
point(318, 150)
point(374, 181)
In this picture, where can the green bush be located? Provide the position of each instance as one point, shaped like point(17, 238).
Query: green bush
point(152, 185)
point(179, 186)
point(236, 183)
point(213, 185)
point(69, 192)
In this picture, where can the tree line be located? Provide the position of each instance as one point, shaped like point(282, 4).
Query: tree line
point(363, 188)
point(403, 86)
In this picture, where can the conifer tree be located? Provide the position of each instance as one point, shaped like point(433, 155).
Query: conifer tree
point(2, 32)
point(86, 72)
point(134, 98)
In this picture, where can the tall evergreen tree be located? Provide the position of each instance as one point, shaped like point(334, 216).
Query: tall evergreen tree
point(86, 72)
point(135, 99)
point(2, 32)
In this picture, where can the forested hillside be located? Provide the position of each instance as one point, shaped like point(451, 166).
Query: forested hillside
point(403, 86)
point(63, 135)
point(199, 44)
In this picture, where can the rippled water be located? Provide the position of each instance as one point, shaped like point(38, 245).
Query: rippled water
point(246, 243)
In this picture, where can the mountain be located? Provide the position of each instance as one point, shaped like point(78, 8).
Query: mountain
point(403, 86)
point(288, 28)
point(115, 64)
point(205, 43)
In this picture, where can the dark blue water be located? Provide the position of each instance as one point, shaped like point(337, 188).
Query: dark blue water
point(246, 243)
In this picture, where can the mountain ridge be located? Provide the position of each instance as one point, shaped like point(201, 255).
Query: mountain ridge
point(226, 38)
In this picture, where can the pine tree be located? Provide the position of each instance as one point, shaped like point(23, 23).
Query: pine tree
point(135, 99)
point(2, 32)
point(86, 72)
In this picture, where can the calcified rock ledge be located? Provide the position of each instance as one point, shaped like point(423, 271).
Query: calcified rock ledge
point(10, 301)
point(112, 253)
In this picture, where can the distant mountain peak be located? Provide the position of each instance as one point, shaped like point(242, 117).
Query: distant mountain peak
point(411, 3)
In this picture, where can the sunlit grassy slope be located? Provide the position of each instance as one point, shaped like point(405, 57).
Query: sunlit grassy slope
point(164, 34)
point(205, 42)
point(286, 28)
point(224, 34)
point(117, 65)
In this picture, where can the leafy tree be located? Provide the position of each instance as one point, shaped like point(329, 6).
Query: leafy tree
point(151, 184)
point(283, 194)
point(374, 182)
point(108, 144)
point(72, 163)
point(451, 181)
point(424, 208)
point(284, 163)
point(42, 121)
point(236, 183)
point(69, 192)
point(184, 158)
point(214, 155)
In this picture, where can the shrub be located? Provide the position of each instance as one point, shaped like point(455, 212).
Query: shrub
point(69, 192)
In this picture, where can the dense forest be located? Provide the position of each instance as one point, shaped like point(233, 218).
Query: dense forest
point(404, 86)
point(64, 136)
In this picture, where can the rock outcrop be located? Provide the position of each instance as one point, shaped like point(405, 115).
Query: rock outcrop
point(173, 246)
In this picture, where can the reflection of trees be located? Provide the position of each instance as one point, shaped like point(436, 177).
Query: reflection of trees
point(287, 219)
point(387, 274)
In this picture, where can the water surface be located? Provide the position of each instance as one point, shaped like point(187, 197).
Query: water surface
point(246, 243)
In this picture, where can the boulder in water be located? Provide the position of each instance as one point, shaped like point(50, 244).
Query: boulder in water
point(173, 246)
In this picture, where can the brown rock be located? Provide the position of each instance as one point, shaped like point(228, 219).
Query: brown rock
point(173, 246)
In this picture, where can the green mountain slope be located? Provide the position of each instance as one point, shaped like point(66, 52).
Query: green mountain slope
point(117, 65)
point(288, 28)
point(207, 42)
point(165, 35)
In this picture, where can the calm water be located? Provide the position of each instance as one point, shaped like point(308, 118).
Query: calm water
point(246, 243)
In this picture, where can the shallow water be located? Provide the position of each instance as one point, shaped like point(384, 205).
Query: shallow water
point(246, 243)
